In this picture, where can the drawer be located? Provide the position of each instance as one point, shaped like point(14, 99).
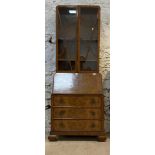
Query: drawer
point(76, 125)
point(77, 113)
point(85, 101)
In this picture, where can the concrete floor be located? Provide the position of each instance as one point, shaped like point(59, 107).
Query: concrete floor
point(77, 146)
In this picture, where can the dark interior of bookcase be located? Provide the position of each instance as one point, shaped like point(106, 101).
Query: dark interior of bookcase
point(77, 39)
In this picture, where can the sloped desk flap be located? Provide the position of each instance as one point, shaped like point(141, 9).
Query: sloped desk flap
point(77, 83)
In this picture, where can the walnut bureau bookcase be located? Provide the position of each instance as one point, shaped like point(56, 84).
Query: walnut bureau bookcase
point(77, 105)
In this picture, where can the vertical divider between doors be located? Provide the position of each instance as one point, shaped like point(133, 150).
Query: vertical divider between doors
point(57, 38)
point(78, 39)
point(98, 39)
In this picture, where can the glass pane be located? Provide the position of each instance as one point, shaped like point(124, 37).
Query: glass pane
point(67, 28)
point(88, 39)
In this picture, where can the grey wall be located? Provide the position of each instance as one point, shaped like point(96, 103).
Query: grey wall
point(50, 50)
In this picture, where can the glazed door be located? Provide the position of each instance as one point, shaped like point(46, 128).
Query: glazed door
point(66, 39)
point(89, 39)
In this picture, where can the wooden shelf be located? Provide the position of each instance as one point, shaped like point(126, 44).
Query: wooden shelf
point(67, 39)
point(66, 60)
point(88, 60)
point(70, 39)
point(89, 40)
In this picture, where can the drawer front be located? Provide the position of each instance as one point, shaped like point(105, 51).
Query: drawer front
point(77, 113)
point(76, 125)
point(85, 101)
